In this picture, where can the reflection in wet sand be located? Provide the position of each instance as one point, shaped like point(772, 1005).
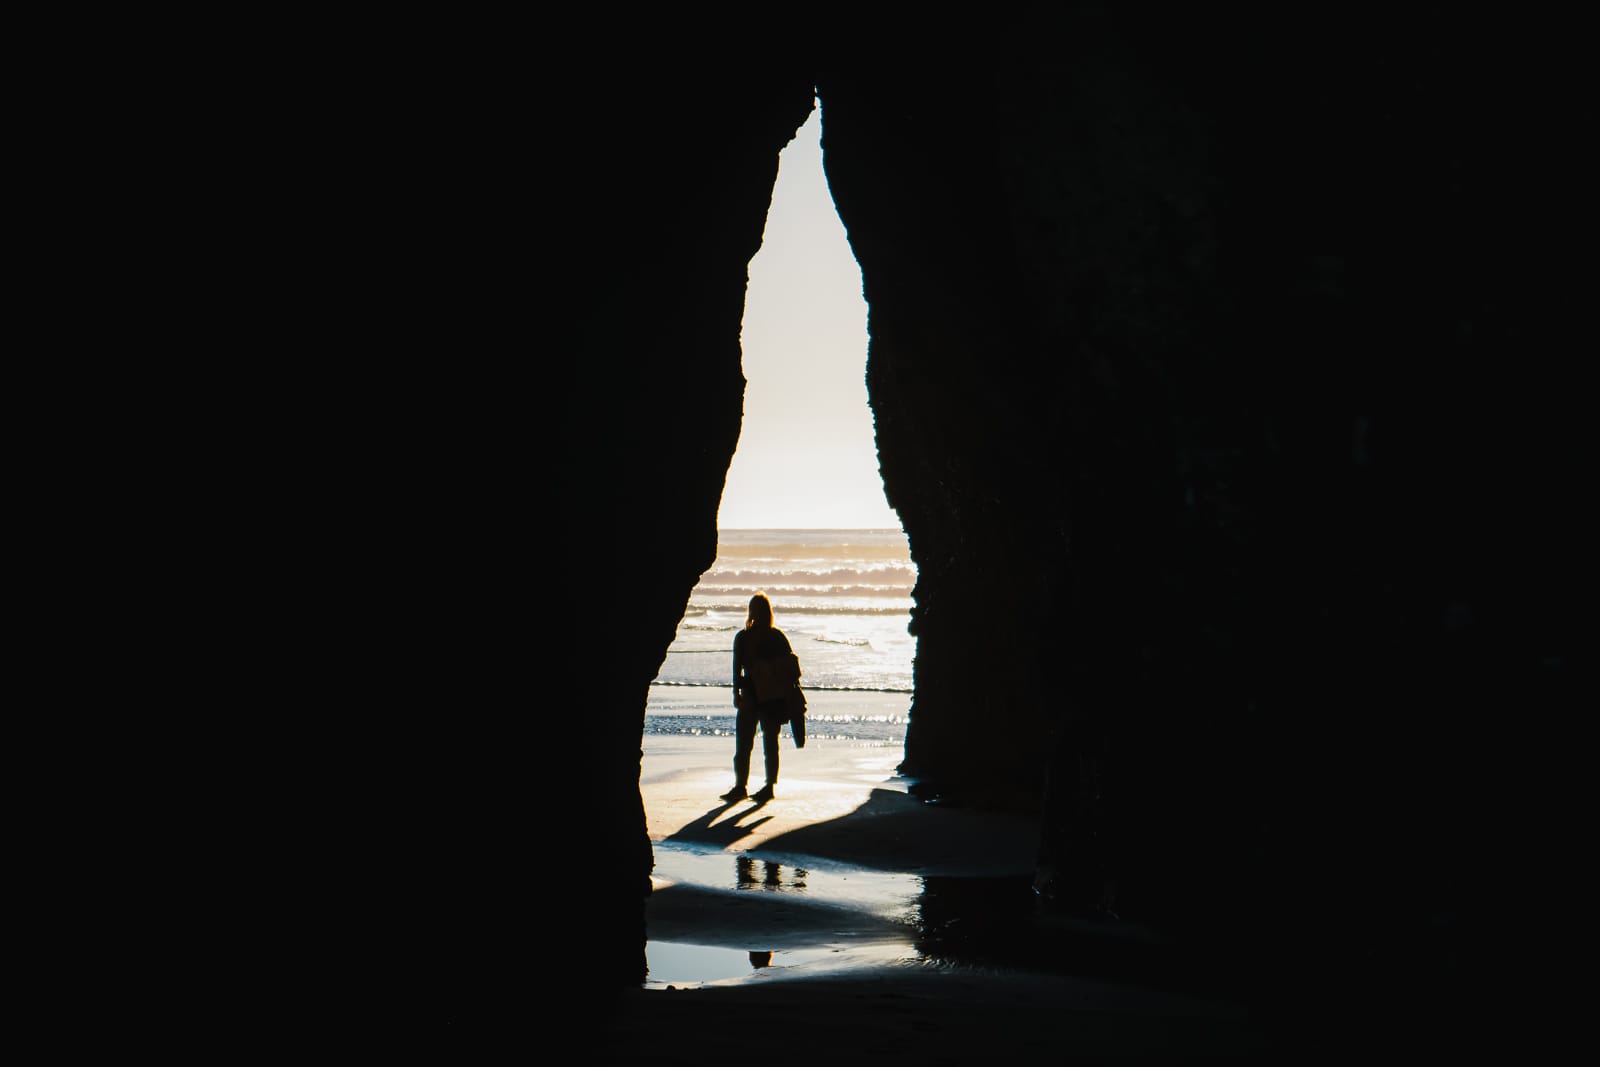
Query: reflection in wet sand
point(773, 918)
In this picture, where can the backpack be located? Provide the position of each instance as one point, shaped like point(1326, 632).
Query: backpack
point(775, 677)
point(778, 678)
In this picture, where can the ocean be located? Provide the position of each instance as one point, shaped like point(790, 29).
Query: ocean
point(843, 597)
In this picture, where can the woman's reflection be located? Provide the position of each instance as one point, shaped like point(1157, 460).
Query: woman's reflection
point(771, 874)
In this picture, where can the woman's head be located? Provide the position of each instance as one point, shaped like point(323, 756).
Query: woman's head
point(760, 616)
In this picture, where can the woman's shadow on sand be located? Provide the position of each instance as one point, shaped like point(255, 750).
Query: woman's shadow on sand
point(708, 830)
point(890, 831)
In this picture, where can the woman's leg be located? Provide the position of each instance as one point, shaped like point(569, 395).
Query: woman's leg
point(771, 727)
point(743, 744)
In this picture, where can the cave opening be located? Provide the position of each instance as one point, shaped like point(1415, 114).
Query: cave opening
point(803, 514)
point(803, 517)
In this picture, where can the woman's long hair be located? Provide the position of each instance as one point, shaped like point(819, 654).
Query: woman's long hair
point(760, 616)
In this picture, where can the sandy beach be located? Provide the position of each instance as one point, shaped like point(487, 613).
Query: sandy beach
point(836, 800)
point(848, 921)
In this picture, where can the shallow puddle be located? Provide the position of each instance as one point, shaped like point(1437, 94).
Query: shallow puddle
point(775, 917)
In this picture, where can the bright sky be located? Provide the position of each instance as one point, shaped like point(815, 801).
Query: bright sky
point(806, 456)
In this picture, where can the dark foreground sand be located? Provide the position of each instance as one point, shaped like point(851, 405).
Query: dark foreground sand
point(848, 921)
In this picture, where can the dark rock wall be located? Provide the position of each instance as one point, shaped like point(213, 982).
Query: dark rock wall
point(1211, 369)
point(502, 386)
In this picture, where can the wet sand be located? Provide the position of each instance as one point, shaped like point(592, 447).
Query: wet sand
point(848, 921)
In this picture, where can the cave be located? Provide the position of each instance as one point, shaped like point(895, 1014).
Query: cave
point(1215, 387)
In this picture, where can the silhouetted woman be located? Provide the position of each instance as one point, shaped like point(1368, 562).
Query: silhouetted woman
point(759, 640)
